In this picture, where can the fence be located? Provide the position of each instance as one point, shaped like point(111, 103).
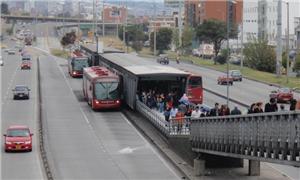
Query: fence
point(175, 126)
point(273, 137)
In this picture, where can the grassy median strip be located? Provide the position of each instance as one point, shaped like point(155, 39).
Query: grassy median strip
point(265, 77)
point(60, 53)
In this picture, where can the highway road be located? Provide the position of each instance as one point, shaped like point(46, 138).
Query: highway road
point(23, 165)
point(83, 144)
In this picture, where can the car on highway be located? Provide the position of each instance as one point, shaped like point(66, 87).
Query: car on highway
point(18, 138)
point(25, 57)
point(1, 61)
point(11, 52)
point(25, 65)
point(21, 92)
point(236, 75)
point(6, 50)
point(284, 95)
point(224, 80)
point(163, 59)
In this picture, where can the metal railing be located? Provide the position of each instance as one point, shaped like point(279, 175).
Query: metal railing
point(272, 137)
point(175, 126)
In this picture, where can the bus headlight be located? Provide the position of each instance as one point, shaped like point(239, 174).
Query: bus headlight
point(117, 101)
point(97, 102)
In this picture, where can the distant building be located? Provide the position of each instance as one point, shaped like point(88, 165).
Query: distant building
point(260, 21)
point(162, 22)
point(114, 14)
point(196, 11)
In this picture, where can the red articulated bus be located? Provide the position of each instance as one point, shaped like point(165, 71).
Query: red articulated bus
point(194, 89)
point(101, 88)
point(76, 63)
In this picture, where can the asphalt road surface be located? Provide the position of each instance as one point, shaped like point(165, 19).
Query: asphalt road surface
point(21, 165)
point(83, 144)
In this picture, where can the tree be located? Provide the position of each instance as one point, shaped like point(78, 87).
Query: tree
point(134, 35)
point(259, 55)
point(222, 58)
point(68, 38)
point(215, 32)
point(187, 37)
point(4, 8)
point(163, 39)
point(297, 62)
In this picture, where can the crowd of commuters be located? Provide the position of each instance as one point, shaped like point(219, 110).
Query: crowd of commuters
point(174, 106)
point(180, 109)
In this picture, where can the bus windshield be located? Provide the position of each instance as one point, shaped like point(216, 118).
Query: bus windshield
point(79, 64)
point(195, 82)
point(106, 90)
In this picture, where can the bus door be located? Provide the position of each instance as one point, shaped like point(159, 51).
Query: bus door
point(194, 89)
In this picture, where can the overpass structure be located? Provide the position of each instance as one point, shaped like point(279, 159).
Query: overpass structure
point(43, 18)
point(266, 137)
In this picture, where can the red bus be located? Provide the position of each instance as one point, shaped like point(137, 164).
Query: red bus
point(194, 89)
point(101, 88)
point(76, 63)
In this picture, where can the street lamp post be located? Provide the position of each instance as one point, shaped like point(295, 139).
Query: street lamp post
point(227, 61)
point(287, 43)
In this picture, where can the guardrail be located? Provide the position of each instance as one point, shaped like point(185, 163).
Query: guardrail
point(271, 137)
point(47, 170)
point(175, 126)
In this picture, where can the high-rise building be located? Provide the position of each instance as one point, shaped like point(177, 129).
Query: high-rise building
point(196, 11)
point(260, 20)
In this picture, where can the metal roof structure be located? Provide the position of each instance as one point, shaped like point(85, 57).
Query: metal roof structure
point(141, 66)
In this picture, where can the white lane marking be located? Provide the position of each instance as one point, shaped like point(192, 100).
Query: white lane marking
point(151, 147)
point(9, 86)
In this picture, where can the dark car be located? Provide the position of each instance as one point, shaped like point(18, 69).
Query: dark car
point(163, 59)
point(224, 80)
point(236, 75)
point(21, 92)
point(282, 95)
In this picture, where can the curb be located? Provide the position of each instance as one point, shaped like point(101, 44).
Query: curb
point(224, 97)
point(43, 153)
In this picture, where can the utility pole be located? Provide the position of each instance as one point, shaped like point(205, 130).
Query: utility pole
point(78, 32)
point(154, 38)
point(279, 41)
point(103, 26)
point(94, 31)
point(287, 42)
point(242, 40)
point(180, 23)
point(227, 61)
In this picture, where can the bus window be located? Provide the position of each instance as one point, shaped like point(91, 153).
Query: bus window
point(106, 90)
point(195, 82)
point(79, 64)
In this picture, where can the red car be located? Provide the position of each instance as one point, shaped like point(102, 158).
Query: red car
point(25, 65)
point(18, 138)
point(224, 80)
point(282, 95)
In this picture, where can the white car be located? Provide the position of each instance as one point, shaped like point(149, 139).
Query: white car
point(11, 52)
point(1, 61)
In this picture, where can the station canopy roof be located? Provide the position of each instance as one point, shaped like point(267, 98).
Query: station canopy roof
point(141, 66)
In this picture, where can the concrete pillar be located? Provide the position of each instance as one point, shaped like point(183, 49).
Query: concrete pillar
point(199, 167)
point(254, 168)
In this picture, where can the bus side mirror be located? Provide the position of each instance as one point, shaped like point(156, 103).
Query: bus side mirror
point(90, 88)
point(4, 135)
